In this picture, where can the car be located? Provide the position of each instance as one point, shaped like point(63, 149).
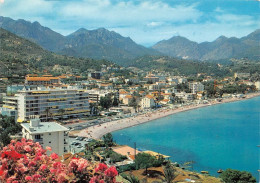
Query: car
point(79, 146)
point(74, 142)
point(81, 138)
point(77, 143)
point(77, 138)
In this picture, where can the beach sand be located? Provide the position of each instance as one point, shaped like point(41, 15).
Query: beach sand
point(97, 131)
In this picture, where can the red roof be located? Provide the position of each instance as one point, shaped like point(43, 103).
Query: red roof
point(41, 78)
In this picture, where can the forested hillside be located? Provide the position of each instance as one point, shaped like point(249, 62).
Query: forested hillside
point(20, 56)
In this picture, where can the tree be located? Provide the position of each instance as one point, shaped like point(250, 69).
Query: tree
point(93, 108)
point(236, 176)
point(61, 112)
point(144, 160)
point(108, 139)
point(159, 161)
point(4, 138)
point(115, 101)
point(9, 127)
point(47, 112)
point(133, 103)
point(106, 102)
point(169, 173)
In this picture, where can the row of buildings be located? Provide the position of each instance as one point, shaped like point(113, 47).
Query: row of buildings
point(47, 103)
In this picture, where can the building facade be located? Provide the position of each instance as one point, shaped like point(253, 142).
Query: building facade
point(49, 134)
point(42, 80)
point(196, 87)
point(52, 103)
point(147, 102)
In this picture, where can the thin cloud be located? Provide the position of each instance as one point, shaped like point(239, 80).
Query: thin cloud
point(146, 22)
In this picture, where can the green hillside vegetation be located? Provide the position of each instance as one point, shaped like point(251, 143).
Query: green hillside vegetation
point(177, 66)
point(19, 56)
point(96, 44)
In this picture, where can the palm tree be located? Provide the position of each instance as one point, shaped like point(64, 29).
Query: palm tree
point(130, 178)
point(169, 173)
point(61, 112)
point(47, 112)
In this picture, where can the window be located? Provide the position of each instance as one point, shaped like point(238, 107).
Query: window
point(49, 133)
point(37, 137)
point(49, 142)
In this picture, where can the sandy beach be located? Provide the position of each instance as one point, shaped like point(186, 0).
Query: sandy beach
point(98, 131)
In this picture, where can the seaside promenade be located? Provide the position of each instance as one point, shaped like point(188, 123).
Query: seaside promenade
point(97, 131)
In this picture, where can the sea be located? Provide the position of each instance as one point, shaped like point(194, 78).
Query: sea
point(209, 138)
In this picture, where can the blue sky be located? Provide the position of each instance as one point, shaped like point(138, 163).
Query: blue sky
point(145, 21)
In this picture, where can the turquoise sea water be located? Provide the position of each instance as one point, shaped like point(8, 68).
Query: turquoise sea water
point(215, 137)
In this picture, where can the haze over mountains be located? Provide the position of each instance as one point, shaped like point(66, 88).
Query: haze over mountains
point(97, 44)
point(221, 48)
point(104, 44)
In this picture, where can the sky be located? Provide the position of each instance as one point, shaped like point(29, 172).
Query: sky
point(145, 21)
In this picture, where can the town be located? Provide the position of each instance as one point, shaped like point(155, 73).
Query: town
point(56, 110)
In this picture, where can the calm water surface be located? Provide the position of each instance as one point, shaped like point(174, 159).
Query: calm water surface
point(216, 137)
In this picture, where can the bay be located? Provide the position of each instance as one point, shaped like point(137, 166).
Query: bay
point(215, 137)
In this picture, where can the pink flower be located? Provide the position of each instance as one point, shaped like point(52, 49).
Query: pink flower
point(101, 167)
point(27, 148)
point(62, 177)
point(28, 178)
point(48, 148)
point(54, 156)
point(111, 172)
point(11, 179)
point(52, 170)
point(11, 155)
point(23, 169)
point(36, 176)
point(43, 167)
point(56, 164)
point(31, 164)
point(82, 164)
point(96, 179)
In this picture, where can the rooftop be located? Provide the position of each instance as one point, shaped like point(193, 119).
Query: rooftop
point(41, 78)
point(149, 96)
point(44, 127)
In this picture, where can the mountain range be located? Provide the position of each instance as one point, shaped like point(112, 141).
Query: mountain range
point(221, 48)
point(104, 44)
point(96, 44)
point(19, 56)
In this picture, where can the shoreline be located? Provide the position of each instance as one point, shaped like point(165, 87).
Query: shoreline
point(97, 131)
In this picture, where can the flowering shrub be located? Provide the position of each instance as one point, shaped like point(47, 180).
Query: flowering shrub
point(26, 161)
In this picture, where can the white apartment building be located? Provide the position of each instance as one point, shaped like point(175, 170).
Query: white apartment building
point(147, 102)
point(196, 87)
point(133, 80)
point(257, 85)
point(95, 95)
point(50, 103)
point(153, 87)
point(151, 78)
point(241, 75)
point(184, 96)
point(49, 134)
